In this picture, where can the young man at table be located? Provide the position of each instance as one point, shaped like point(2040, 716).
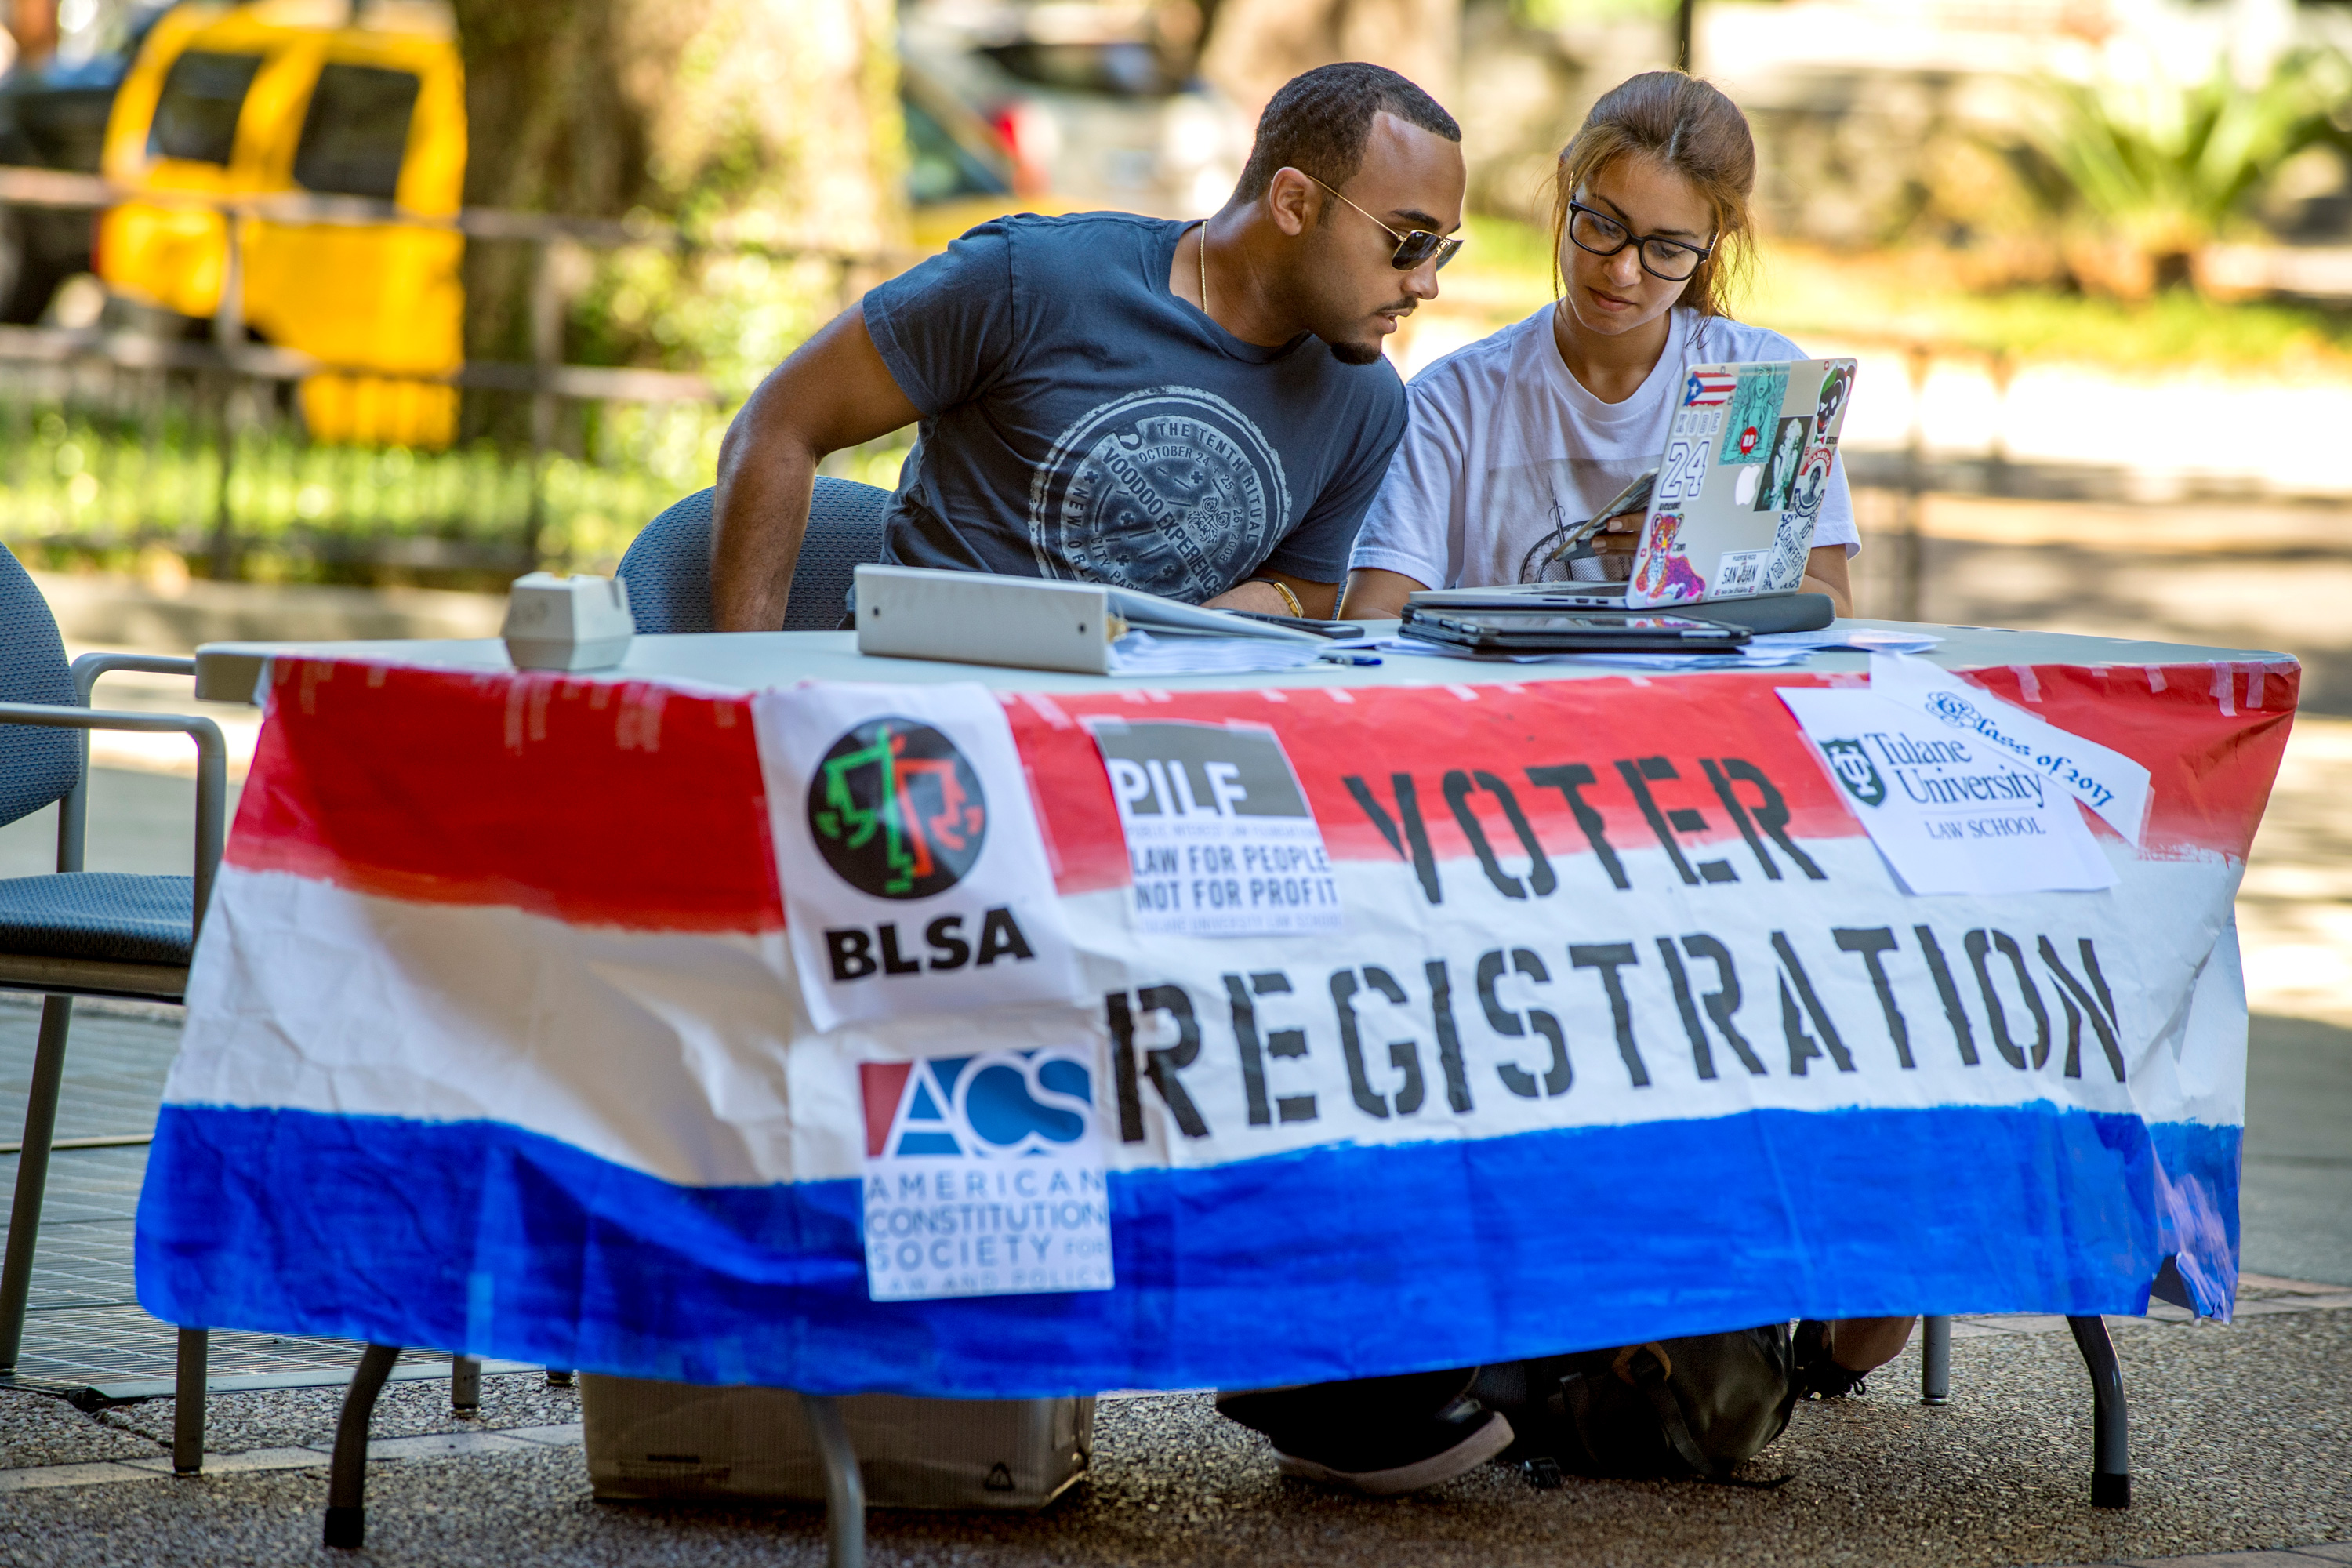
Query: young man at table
point(1199, 409)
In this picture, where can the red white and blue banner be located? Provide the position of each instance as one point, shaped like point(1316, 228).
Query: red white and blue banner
point(497, 1040)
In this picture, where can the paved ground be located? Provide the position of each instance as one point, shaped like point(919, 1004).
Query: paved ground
point(2239, 1439)
point(2296, 1206)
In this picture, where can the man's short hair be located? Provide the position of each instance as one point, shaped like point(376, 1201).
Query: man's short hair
point(1319, 123)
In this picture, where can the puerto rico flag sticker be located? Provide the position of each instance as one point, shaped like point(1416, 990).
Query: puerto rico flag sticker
point(1707, 388)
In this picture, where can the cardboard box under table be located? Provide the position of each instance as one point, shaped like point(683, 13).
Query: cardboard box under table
point(674, 1442)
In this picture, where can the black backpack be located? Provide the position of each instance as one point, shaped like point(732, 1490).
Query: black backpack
point(1699, 1406)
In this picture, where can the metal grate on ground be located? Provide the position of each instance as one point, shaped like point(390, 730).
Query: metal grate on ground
point(85, 1332)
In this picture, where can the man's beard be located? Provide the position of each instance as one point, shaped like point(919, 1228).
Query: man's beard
point(1349, 352)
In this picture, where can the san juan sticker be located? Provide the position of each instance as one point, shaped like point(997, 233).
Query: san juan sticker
point(1739, 572)
point(983, 1176)
point(1220, 839)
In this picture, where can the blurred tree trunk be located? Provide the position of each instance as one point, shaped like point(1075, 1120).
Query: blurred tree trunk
point(764, 120)
point(549, 128)
point(33, 25)
point(1254, 45)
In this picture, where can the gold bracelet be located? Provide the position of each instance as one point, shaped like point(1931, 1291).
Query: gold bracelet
point(1289, 597)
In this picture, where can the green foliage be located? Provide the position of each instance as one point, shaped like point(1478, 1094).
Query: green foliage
point(731, 315)
point(1819, 294)
point(80, 487)
point(2172, 330)
point(2162, 168)
point(1916, 295)
point(1568, 13)
point(1501, 248)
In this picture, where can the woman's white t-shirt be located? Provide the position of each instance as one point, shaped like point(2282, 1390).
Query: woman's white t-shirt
point(1504, 446)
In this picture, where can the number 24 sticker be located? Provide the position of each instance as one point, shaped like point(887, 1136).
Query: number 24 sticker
point(1686, 466)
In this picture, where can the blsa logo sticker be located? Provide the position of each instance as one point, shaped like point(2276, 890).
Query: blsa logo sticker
point(897, 811)
point(913, 876)
point(1000, 1105)
point(1855, 771)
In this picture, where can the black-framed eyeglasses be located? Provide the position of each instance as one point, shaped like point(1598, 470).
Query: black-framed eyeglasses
point(1415, 249)
point(1670, 260)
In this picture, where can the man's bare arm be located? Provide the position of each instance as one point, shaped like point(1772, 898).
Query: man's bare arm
point(833, 391)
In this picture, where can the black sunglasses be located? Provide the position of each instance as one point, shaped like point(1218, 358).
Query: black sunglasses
point(1603, 236)
point(1412, 249)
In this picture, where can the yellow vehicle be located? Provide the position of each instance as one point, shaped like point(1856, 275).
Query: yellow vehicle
point(304, 99)
point(362, 104)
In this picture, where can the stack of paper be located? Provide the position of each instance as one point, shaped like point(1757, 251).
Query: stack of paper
point(1140, 653)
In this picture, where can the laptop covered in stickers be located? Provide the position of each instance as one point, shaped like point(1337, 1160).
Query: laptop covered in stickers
point(1728, 513)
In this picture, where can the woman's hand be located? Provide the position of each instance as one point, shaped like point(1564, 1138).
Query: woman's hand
point(1620, 535)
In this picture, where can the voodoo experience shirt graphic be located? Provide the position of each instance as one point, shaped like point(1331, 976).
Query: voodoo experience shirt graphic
point(1082, 422)
point(913, 875)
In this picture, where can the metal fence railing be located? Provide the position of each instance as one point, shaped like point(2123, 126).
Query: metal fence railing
point(115, 444)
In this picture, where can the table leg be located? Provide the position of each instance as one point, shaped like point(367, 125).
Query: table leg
point(845, 1489)
point(1935, 1360)
point(2111, 1463)
point(465, 1385)
point(347, 1475)
point(188, 1389)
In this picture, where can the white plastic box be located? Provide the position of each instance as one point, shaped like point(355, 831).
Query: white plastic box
point(678, 1442)
point(568, 623)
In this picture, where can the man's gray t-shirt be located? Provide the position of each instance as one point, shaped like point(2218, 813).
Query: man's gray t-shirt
point(1081, 422)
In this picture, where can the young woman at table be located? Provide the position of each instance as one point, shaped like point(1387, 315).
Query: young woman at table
point(1538, 426)
point(1548, 420)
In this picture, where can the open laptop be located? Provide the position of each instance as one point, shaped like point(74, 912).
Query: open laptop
point(1728, 513)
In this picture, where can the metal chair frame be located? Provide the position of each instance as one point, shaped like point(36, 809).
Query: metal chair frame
point(63, 979)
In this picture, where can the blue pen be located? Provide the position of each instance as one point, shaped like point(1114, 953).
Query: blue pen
point(1336, 656)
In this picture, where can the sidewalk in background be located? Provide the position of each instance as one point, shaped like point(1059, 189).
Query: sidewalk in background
point(2153, 436)
point(107, 610)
